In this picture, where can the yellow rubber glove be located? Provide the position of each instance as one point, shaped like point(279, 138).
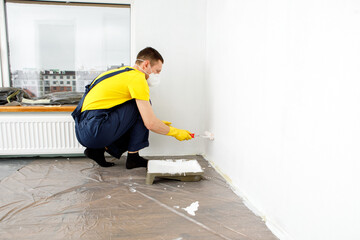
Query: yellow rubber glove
point(167, 123)
point(179, 134)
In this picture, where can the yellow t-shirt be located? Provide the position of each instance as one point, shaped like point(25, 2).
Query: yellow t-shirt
point(117, 89)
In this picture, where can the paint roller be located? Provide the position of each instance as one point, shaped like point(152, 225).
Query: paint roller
point(206, 134)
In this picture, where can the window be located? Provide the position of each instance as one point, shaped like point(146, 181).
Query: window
point(55, 38)
point(68, 82)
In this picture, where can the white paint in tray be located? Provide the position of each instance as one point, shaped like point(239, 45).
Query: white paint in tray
point(174, 166)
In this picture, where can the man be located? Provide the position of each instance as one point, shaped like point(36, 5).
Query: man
point(115, 114)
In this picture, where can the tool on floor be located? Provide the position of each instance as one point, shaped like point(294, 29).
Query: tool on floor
point(206, 134)
point(184, 170)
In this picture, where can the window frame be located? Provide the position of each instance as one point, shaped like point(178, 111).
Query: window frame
point(5, 76)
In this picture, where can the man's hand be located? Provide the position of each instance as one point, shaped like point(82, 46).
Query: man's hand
point(179, 134)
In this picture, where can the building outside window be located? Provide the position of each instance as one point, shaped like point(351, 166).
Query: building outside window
point(51, 41)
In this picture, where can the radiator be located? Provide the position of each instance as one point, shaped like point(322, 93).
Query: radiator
point(38, 134)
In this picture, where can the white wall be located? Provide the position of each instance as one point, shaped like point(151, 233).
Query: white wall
point(177, 30)
point(283, 94)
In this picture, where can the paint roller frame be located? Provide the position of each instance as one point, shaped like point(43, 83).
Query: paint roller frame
point(207, 135)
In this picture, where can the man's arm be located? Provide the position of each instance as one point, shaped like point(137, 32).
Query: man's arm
point(155, 125)
point(150, 120)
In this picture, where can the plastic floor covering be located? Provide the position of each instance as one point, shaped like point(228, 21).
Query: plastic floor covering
point(74, 198)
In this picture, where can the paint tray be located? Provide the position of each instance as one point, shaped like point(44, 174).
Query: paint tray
point(184, 170)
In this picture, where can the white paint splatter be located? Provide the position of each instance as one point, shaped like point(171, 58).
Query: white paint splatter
point(132, 190)
point(108, 196)
point(192, 208)
point(176, 207)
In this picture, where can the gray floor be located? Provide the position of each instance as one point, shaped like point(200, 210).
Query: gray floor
point(73, 198)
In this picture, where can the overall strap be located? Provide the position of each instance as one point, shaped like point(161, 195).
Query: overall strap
point(76, 113)
point(96, 81)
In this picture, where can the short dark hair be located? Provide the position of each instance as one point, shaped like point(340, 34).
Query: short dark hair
point(150, 54)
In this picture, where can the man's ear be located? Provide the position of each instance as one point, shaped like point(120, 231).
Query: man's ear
point(144, 64)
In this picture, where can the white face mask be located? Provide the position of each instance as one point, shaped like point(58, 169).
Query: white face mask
point(154, 79)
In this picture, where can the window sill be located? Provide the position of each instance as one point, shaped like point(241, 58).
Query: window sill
point(68, 108)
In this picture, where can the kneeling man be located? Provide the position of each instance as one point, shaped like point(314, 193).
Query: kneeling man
point(115, 114)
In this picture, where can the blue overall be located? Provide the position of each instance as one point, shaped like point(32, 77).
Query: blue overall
point(119, 128)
